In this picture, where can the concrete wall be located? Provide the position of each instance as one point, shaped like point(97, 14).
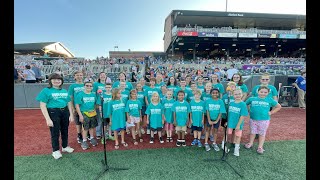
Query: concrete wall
point(25, 94)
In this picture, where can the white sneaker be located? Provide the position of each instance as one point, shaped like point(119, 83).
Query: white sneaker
point(236, 152)
point(57, 154)
point(142, 131)
point(67, 149)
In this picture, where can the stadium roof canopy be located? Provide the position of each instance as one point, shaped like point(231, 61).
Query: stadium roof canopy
point(239, 19)
point(52, 48)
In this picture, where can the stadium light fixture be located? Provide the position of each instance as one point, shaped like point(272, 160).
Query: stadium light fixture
point(234, 45)
point(223, 49)
point(262, 45)
point(303, 48)
point(279, 45)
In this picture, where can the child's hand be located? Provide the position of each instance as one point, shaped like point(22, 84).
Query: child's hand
point(71, 118)
point(210, 122)
point(49, 123)
point(81, 118)
point(237, 128)
point(110, 123)
point(147, 121)
point(269, 113)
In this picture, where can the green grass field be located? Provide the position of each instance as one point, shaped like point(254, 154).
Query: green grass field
point(281, 160)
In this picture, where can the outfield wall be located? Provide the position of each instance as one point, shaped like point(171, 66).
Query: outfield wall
point(25, 94)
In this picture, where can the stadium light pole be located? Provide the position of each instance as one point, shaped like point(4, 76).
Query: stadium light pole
point(226, 5)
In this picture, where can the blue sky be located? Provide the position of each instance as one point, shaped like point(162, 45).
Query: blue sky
point(91, 28)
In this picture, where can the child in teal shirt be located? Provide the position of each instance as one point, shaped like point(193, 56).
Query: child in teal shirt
point(197, 107)
point(167, 105)
point(181, 110)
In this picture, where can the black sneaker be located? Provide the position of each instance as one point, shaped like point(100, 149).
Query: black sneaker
point(178, 143)
point(184, 143)
point(151, 140)
point(161, 140)
point(79, 139)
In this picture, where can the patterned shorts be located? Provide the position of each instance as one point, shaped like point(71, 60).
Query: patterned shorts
point(259, 127)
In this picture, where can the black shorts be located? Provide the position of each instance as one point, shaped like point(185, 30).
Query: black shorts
point(216, 126)
point(223, 121)
point(196, 128)
point(106, 121)
point(89, 122)
point(143, 110)
point(156, 129)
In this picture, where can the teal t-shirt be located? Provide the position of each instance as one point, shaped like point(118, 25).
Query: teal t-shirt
point(191, 97)
point(133, 107)
point(116, 84)
point(273, 91)
point(86, 101)
point(243, 87)
point(201, 88)
point(149, 91)
point(106, 99)
point(225, 100)
point(259, 108)
point(206, 96)
point(140, 96)
point(182, 110)
point(74, 89)
point(125, 96)
point(188, 88)
point(167, 105)
point(54, 98)
point(158, 86)
point(116, 108)
point(97, 86)
point(172, 87)
point(186, 93)
point(215, 107)
point(155, 115)
point(235, 111)
point(197, 110)
point(162, 97)
point(219, 86)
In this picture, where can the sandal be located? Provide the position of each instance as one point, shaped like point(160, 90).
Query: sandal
point(141, 140)
point(124, 144)
point(116, 146)
point(168, 139)
point(260, 150)
point(135, 142)
point(248, 146)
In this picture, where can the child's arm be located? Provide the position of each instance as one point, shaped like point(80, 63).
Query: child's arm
point(275, 109)
point(70, 105)
point(140, 115)
point(110, 123)
point(44, 110)
point(241, 119)
point(146, 100)
point(190, 122)
point(128, 119)
point(217, 120)
point(174, 118)
point(163, 118)
point(208, 118)
point(147, 119)
point(79, 113)
point(202, 121)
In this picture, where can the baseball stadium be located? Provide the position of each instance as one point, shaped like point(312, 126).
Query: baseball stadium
point(254, 52)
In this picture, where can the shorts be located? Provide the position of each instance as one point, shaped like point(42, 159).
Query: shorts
point(89, 122)
point(216, 126)
point(236, 132)
point(77, 120)
point(106, 121)
point(119, 129)
point(156, 129)
point(181, 128)
point(169, 127)
point(196, 128)
point(143, 110)
point(223, 121)
point(259, 127)
point(134, 119)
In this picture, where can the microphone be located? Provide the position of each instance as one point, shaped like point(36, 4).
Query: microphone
point(99, 91)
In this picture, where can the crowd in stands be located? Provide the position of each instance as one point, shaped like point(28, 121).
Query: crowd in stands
point(134, 68)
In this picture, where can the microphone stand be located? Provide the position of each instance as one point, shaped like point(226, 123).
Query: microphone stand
point(224, 156)
point(105, 166)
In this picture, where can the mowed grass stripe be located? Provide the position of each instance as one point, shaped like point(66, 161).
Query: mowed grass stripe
point(281, 160)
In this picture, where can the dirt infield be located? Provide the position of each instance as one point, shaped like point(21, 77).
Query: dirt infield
point(32, 136)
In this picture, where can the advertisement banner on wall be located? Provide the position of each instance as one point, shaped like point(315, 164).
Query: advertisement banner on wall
point(288, 36)
point(229, 35)
point(302, 36)
point(267, 35)
point(189, 33)
point(247, 35)
point(207, 34)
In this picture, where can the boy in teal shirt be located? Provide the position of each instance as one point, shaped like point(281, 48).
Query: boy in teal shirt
point(85, 105)
point(181, 110)
point(197, 117)
point(167, 105)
